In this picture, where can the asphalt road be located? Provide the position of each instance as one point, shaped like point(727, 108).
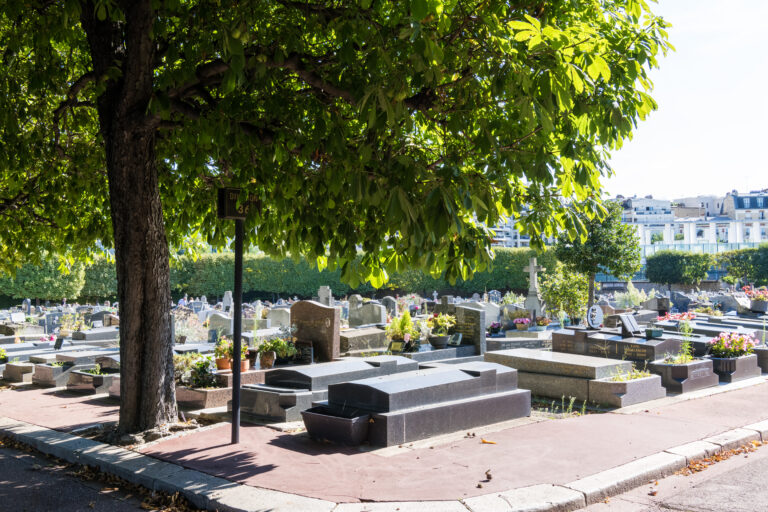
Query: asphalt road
point(734, 485)
point(32, 483)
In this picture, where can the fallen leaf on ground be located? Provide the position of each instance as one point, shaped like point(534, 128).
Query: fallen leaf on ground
point(485, 441)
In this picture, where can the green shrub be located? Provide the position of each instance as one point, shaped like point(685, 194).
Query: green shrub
point(678, 267)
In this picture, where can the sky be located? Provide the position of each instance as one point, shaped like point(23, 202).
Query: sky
point(710, 131)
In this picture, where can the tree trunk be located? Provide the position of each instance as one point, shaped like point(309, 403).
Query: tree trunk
point(147, 391)
point(591, 299)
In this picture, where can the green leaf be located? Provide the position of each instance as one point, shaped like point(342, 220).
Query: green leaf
point(419, 9)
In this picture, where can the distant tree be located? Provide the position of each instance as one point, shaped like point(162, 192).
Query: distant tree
point(609, 246)
point(100, 280)
point(678, 267)
point(657, 238)
point(565, 289)
point(47, 281)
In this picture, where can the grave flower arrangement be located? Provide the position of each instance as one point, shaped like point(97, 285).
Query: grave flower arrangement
point(3, 355)
point(756, 294)
point(224, 352)
point(521, 321)
point(543, 321)
point(403, 329)
point(495, 327)
point(677, 316)
point(440, 325)
point(731, 345)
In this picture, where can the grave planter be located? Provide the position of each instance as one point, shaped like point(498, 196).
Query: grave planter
point(223, 364)
point(682, 378)
point(521, 327)
point(438, 342)
point(624, 393)
point(653, 333)
point(759, 306)
point(762, 357)
point(732, 369)
point(202, 398)
point(81, 381)
point(349, 428)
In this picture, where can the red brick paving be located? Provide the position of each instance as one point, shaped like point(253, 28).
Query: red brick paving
point(556, 451)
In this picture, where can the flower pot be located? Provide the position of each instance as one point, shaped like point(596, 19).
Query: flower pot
point(682, 378)
point(732, 369)
point(244, 364)
point(223, 364)
point(759, 306)
point(438, 342)
point(267, 359)
point(521, 327)
point(653, 333)
point(495, 330)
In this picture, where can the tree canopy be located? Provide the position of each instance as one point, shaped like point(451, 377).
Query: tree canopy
point(397, 127)
point(401, 128)
point(609, 246)
point(678, 267)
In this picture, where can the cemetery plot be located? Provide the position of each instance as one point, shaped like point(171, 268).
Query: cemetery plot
point(405, 407)
point(288, 391)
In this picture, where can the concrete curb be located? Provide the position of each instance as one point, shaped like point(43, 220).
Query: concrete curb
point(212, 493)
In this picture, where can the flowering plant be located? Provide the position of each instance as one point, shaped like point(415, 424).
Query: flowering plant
point(521, 321)
point(731, 344)
point(48, 337)
point(677, 316)
point(757, 294)
point(441, 324)
point(496, 325)
point(543, 321)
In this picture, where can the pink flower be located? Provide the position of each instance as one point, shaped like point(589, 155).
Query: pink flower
point(407, 338)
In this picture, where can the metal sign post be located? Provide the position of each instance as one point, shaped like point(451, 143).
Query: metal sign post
point(229, 207)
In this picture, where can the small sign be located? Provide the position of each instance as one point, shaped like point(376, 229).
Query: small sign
point(595, 317)
point(454, 340)
point(230, 207)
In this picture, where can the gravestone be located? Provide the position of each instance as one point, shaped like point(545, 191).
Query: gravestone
point(204, 300)
point(447, 306)
point(26, 306)
point(325, 297)
point(52, 321)
point(279, 317)
point(494, 296)
point(476, 297)
point(533, 300)
point(220, 322)
point(492, 311)
point(595, 317)
point(226, 302)
point(629, 326)
point(390, 303)
point(658, 304)
point(470, 323)
point(18, 318)
point(361, 313)
point(317, 325)
point(195, 306)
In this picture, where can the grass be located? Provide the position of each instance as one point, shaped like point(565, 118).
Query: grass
point(567, 407)
point(626, 375)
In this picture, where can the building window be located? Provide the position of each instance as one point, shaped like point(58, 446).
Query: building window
point(746, 202)
point(759, 202)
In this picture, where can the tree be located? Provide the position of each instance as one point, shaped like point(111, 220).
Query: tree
point(402, 128)
point(677, 267)
point(100, 280)
point(608, 246)
point(50, 280)
point(566, 290)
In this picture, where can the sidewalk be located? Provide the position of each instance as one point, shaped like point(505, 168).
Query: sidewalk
point(580, 456)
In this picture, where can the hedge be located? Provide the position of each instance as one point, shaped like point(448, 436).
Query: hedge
point(747, 265)
point(212, 275)
point(678, 267)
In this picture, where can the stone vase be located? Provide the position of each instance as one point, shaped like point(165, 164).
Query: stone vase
point(732, 369)
point(438, 342)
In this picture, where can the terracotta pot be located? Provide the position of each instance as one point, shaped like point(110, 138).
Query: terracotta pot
point(267, 359)
point(223, 364)
point(244, 364)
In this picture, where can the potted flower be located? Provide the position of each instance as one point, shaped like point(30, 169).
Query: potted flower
point(439, 329)
point(495, 328)
point(732, 356)
point(403, 330)
point(272, 349)
point(521, 323)
point(758, 298)
point(221, 353)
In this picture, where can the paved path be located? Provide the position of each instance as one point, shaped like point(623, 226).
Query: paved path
point(547, 452)
point(734, 485)
point(31, 483)
point(557, 452)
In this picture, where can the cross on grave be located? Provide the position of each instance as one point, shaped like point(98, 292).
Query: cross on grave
point(533, 301)
point(532, 270)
